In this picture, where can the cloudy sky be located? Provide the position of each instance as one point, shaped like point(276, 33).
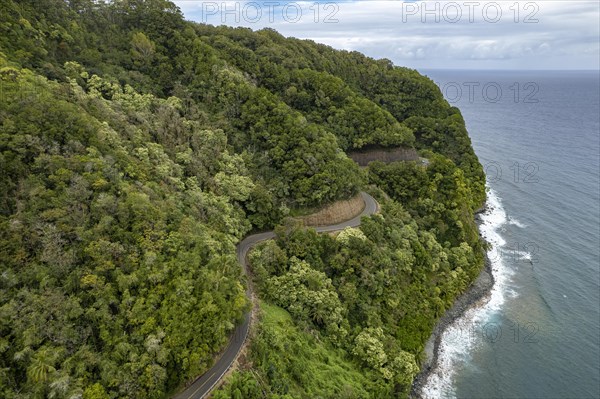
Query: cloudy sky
point(469, 34)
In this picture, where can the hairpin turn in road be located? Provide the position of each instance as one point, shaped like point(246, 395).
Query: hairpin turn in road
point(207, 381)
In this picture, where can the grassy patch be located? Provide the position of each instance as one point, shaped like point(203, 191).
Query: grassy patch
point(309, 367)
point(293, 362)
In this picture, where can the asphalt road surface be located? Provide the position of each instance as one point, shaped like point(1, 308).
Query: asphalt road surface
point(207, 381)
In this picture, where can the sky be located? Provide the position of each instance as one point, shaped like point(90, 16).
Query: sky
point(469, 34)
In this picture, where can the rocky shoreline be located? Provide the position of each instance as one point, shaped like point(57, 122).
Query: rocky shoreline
point(474, 296)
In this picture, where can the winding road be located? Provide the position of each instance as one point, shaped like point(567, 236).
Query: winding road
point(207, 381)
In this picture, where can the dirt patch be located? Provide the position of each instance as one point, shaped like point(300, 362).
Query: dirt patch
point(335, 213)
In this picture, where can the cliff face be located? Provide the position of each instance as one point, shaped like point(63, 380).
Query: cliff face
point(384, 155)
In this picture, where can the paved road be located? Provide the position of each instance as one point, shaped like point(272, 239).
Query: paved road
point(204, 384)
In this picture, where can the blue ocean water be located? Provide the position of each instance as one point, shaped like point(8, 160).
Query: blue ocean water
point(538, 136)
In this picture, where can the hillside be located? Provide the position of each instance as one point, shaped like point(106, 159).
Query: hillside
point(137, 149)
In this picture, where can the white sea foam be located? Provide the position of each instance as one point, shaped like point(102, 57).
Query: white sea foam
point(523, 255)
point(515, 222)
point(461, 337)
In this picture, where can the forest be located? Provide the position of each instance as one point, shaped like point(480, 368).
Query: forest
point(137, 149)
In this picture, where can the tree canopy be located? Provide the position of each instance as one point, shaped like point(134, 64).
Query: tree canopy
point(137, 149)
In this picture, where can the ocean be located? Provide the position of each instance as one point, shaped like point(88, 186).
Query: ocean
point(537, 134)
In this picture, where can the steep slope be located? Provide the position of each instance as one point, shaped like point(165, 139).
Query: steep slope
point(137, 149)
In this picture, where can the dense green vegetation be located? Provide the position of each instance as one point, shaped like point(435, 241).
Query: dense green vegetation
point(373, 293)
point(136, 149)
point(317, 368)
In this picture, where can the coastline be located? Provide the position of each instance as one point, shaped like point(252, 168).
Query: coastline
point(476, 295)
